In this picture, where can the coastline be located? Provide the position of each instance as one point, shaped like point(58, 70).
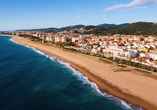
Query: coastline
point(107, 80)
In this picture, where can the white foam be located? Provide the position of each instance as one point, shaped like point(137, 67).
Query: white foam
point(83, 78)
point(52, 58)
point(20, 43)
point(38, 51)
point(64, 63)
point(15, 41)
point(93, 85)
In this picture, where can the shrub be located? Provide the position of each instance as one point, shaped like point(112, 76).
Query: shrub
point(110, 58)
point(155, 70)
point(132, 64)
point(102, 56)
point(94, 55)
point(136, 64)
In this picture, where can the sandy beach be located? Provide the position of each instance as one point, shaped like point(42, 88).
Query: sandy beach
point(130, 85)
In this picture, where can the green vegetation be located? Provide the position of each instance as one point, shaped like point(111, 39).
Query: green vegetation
point(142, 71)
point(89, 27)
point(121, 65)
point(97, 30)
point(106, 61)
point(139, 28)
point(32, 38)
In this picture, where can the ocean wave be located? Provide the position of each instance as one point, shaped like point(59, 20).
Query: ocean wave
point(15, 41)
point(85, 79)
point(39, 52)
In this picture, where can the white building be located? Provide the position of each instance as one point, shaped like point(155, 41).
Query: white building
point(95, 50)
point(60, 39)
point(142, 54)
point(85, 36)
point(152, 55)
point(133, 52)
point(36, 34)
point(115, 51)
point(49, 38)
point(74, 39)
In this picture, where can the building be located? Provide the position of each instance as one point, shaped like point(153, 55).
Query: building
point(75, 39)
point(60, 39)
point(95, 50)
point(152, 55)
point(85, 36)
point(115, 51)
point(43, 36)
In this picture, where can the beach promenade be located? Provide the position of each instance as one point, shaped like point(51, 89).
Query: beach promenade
point(128, 85)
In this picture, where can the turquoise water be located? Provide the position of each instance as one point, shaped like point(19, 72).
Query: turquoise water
point(33, 80)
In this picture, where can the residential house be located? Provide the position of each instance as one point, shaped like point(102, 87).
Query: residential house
point(95, 50)
point(60, 39)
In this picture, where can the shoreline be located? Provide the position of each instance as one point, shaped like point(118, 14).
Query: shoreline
point(103, 83)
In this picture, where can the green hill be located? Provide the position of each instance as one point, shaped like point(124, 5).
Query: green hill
point(139, 28)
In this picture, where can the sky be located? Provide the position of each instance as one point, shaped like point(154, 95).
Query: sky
point(35, 14)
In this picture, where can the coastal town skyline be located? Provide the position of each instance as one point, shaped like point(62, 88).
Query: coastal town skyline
point(44, 14)
point(137, 47)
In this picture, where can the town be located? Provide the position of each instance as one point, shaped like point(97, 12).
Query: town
point(140, 50)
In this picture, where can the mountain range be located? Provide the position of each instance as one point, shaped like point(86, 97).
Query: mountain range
point(112, 25)
point(3, 31)
point(72, 27)
point(138, 28)
point(42, 29)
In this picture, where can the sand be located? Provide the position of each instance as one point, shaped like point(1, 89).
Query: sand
point(128, 85)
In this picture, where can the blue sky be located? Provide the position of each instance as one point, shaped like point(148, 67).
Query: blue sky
point(32, 14)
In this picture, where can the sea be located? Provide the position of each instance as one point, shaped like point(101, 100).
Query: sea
point(33, 80)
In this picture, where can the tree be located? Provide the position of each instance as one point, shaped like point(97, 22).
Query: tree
point(102, 56)
point(140, 60)
point(101, 50)
point(75, 31)
point(120, 38)
point(121, 61)
point(123, 55)
point(131, 57)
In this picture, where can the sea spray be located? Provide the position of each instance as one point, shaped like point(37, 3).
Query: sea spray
point(83, 78)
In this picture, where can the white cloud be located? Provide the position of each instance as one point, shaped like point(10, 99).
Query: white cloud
point(80, 16)
point(104, 16)
point(135, 4)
